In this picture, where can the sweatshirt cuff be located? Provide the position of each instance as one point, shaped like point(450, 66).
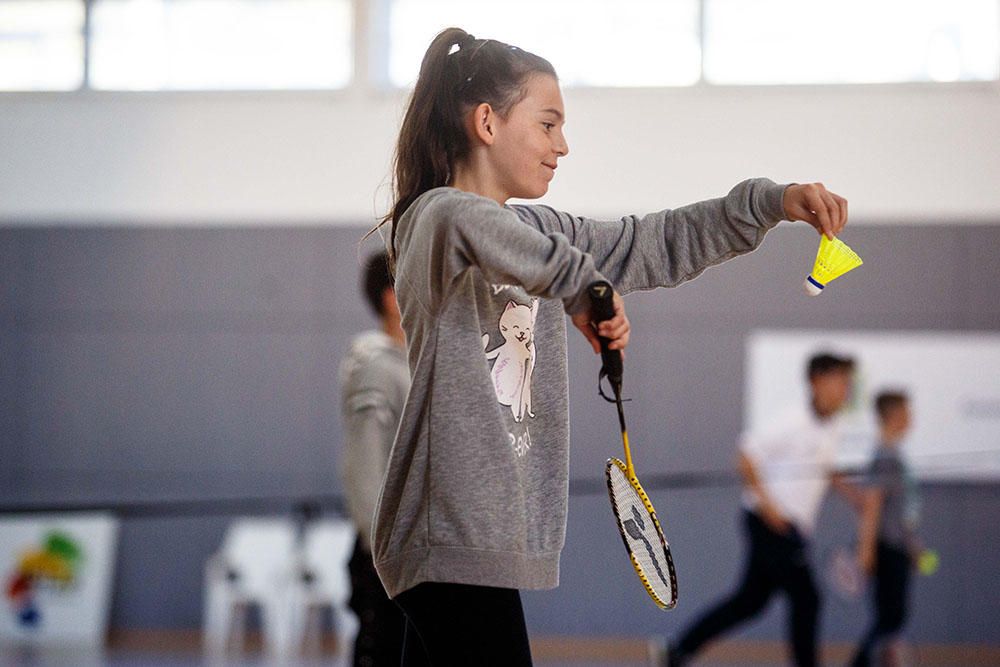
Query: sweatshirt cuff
point(581, 302)
point(770, 203)
point(577, 304)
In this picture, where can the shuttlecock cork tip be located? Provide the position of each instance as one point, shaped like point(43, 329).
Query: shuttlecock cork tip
point(812, 286)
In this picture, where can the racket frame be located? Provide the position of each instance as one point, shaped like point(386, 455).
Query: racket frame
point(626, 469)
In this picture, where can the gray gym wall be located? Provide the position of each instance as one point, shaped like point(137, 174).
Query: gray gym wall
point(146, 365)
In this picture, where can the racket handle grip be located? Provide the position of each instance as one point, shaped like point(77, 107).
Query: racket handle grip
point(602, 307)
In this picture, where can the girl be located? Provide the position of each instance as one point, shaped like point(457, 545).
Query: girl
point(473, 504)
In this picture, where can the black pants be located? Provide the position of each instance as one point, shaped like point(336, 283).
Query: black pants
point(889, 588)
point(776, 562)
point(452, 625)
point(380, 637)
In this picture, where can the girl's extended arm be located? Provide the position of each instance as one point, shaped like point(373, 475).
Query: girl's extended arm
point(667, 248)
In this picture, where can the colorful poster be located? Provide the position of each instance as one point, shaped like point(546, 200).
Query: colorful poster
point(56, 571)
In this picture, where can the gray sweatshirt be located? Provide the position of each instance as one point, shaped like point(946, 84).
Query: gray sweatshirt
point(477, 485)
point(374, 379)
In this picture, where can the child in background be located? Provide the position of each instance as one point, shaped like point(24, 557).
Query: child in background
point(787, 465)
point(888, 544)
point(374, 380)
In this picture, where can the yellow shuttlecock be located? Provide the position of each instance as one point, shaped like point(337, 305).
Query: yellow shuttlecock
point(928, 562)
point(833, 260)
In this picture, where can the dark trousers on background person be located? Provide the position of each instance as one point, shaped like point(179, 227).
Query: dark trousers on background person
point(457, 625)
point(776, 562)
point(890, 585)
point(380, 636)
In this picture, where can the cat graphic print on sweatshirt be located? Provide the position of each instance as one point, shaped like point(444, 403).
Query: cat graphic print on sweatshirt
point(515, 358)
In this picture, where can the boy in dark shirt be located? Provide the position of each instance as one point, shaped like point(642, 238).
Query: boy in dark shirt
point(888, 541)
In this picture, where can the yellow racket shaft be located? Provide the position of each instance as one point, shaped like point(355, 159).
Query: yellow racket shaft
point(629, 470)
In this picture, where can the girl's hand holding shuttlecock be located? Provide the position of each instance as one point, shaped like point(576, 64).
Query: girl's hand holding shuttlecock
point(813, 203)
point(827, 212)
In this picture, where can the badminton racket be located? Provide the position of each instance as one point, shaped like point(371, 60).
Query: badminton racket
point(634, 514)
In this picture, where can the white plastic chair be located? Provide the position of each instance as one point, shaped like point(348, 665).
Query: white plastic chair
point(256, 565)
point(324, 581)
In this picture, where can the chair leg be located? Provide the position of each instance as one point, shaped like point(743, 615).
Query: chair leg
point(312, 639)
point(281, 627)
point(218, 618)
point(347, 626)
point(238, 628)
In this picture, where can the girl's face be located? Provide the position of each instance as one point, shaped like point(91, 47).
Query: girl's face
point(530, 141)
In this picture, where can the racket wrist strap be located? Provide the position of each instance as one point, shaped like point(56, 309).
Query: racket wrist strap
point(616, 388)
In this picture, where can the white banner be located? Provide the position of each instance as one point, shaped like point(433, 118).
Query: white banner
point(57, 574)
point(953, 380)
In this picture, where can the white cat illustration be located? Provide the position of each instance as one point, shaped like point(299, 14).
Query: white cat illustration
point(515, 359)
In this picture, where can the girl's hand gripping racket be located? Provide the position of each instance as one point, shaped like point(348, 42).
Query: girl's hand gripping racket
point(634, 514)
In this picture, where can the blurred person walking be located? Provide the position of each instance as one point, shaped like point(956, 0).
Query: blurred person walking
point(787, 468)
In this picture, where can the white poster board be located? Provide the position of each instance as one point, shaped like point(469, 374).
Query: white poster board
point(953, 380)
point(57, 574)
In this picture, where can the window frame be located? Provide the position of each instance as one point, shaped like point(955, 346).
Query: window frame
point(370, 69)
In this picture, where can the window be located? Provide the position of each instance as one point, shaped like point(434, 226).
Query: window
point(850, 41)
point(220, 44)
point(153, 45)
point(589, 42)
point(41, 44)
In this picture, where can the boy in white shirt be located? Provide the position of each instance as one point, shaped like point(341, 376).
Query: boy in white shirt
point(786, 468)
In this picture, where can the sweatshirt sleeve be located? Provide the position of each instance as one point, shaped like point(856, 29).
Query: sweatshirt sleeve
point(667, 248)
point(369, 426)
point(455, 231)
